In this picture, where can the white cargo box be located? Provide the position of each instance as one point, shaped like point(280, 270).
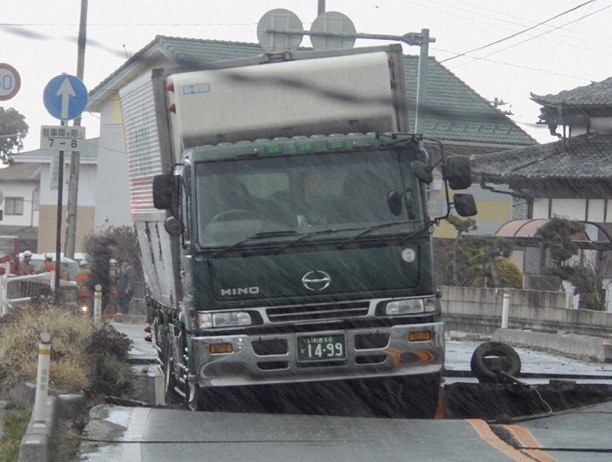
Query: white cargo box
point(340, 94)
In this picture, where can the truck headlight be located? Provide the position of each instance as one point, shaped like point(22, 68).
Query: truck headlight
point(410, 306)
point(224, 319)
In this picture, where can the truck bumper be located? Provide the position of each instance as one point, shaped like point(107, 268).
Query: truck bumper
point(270, 359)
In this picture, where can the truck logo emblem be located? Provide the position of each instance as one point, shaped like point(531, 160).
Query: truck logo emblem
point(240, 291)
point(316, 280)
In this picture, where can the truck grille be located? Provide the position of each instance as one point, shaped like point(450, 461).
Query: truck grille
point(318, 312)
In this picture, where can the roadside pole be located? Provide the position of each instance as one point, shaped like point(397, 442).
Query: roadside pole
point(3, 289)
point(42, 377)
point(505, 309)
point(97, 309)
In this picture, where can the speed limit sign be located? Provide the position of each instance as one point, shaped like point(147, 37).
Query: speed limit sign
point(10, 82)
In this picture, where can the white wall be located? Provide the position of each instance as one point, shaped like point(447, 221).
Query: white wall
point(87, 185)
point(596, 210)
point(19, 190)
point(112, 191)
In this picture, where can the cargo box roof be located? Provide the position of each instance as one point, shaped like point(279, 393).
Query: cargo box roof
point(454, 112)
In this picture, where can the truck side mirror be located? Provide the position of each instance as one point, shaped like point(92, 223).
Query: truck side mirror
point(163, 188)
point(465, 205)
point(457, 172)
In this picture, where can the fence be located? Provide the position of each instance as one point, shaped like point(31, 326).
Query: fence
point(22, 289)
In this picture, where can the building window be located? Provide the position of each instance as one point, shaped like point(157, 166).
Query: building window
point(13, 205)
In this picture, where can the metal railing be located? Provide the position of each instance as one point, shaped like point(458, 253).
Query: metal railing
point(15, 290)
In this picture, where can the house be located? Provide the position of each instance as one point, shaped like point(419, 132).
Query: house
point(570, 178)
point(459, 120)
point(46, 193)
point(19, 203)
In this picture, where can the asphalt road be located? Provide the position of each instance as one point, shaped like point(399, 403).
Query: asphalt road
point(158, 434)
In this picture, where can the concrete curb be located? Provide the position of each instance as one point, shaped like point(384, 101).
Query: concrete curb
point(595, 349)
point(36, 443)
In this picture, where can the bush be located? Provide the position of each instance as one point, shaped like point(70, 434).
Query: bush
point(81, 351)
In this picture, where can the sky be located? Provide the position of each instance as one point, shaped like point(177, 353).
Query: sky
point(502, 49)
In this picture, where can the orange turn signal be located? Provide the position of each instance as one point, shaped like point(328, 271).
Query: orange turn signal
point(216, 348)
point(420, 336)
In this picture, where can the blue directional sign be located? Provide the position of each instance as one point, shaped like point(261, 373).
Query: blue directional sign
point(65, 97)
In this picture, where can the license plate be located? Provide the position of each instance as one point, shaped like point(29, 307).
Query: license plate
point(321, 347)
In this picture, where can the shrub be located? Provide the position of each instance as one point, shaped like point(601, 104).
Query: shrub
point(80, 349)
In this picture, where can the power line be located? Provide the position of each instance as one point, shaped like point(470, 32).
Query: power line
point(475, 58)
point(522, 20)
point(490, 44)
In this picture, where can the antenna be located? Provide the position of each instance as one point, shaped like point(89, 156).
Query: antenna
point(332, 30)
point(279, 19)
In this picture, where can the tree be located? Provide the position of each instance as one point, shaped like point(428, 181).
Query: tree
point(557, 237)
point(557, 240)
point(12, 131)
point(476, 261)
point(462, 225)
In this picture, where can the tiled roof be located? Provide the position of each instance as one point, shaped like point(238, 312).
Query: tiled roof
point(454, 111)
point(20, 172)
point(585, 157)
point(595, 94)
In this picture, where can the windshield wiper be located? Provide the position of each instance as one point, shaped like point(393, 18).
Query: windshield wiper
point(254, 237)
point(383, 225)
point(308, 236)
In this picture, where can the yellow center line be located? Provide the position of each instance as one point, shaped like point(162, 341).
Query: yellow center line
point(486, 434)
point(526, 439)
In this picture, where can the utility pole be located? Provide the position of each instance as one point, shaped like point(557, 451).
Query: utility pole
point(75, 158)
point(321, 7)
point(423, 43)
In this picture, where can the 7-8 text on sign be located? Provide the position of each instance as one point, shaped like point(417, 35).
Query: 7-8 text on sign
point(62, 138)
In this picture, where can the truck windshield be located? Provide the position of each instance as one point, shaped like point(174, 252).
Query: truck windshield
point(280, 197)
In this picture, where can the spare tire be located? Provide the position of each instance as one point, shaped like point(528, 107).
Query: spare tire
point(491, 358)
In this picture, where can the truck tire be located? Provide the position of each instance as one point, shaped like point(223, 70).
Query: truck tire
point(491, 358)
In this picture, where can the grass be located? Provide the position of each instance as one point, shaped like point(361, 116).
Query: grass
point(15, 425)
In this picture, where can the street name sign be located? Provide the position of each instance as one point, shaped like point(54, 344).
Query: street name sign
point(65, 97)
point(62, 138)
point(10, 81)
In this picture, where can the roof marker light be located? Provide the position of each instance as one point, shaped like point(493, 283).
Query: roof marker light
point(336, 144)
point(305, 146)
point(273, 149)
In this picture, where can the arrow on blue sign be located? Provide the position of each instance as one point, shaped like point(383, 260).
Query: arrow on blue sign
point(65, 97)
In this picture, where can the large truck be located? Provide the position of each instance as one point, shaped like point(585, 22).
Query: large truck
point(281, 207)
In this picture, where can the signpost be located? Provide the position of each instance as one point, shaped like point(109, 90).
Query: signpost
point(10, 81)
point(65, 97)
